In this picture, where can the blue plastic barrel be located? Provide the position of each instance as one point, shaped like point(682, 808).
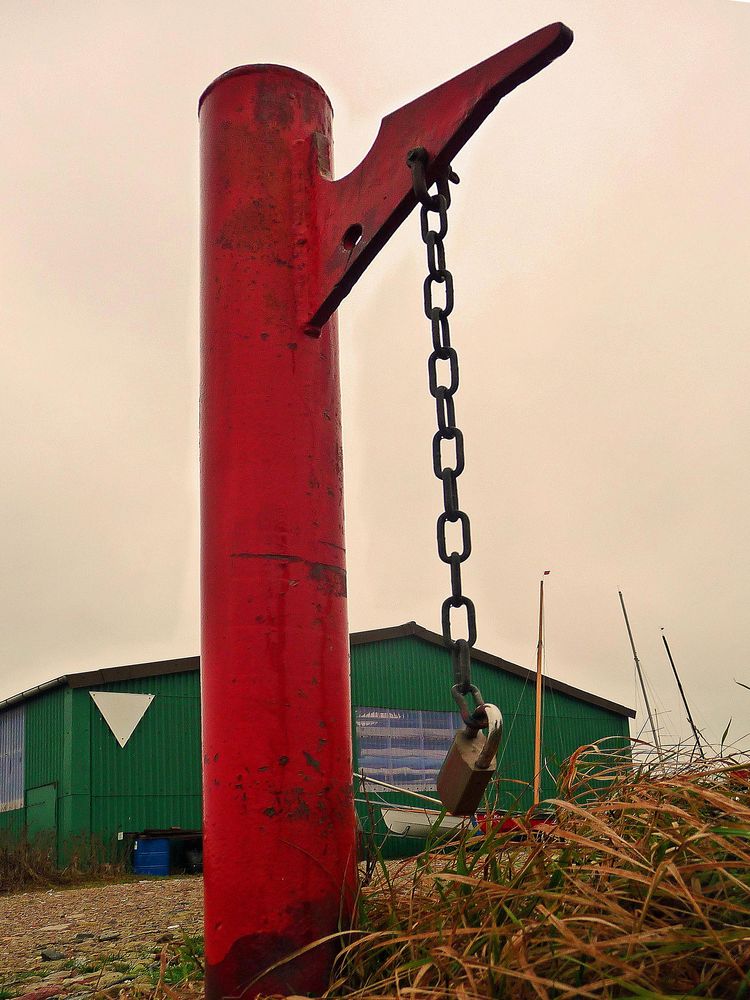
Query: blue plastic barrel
point(151, 856)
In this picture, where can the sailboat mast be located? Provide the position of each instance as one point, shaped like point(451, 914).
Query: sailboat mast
point(682, 695)
point(538, 713)
point(657, 744)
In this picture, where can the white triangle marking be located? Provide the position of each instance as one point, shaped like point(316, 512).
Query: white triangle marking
point(122, 712)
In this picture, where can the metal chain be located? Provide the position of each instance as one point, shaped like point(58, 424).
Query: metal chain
point(443, 390)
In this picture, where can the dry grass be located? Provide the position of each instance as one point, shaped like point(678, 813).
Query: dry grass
point(642, 891)
point(31, 865)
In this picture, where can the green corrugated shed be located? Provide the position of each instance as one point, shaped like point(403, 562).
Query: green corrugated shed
point(408, 669)
point(155, 780)
point(82, 790)
point(66, 779)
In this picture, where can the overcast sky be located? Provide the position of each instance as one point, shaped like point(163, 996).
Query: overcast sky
point(600, 242)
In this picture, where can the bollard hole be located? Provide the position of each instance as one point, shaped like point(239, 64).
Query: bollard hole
point(352, 236)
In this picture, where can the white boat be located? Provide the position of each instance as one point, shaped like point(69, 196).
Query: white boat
point(408, 821)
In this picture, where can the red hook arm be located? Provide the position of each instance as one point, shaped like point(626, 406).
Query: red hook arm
point(359, 213)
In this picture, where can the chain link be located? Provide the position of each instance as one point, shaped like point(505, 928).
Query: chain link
point(443, 378)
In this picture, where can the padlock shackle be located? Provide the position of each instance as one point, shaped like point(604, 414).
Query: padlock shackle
point(494, 735)
point(475, 720)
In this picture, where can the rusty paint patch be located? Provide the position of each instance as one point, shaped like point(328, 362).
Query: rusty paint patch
point(323, 151)
point(273, 106)
point(331, 579)
point(295, 804)
point(243, 971)
point(311, 761)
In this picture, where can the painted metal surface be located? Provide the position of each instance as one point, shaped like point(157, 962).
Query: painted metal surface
point(74, 790)
point(43, 741)
point(281, 245)
point(103, 788)
point(407, 673)
point(409, 629)
point(121, 711)
point(41, 816)
point(279, 831)
point(371, 202)
point(45, 735)
point(154, 780)
point(12, 758)
point(11, 827)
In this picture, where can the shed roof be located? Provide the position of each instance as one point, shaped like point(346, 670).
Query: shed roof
point(184, 664)
point(107, 675)
point(550, 683)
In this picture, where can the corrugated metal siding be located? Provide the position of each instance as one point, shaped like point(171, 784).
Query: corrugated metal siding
point(155, 779)
point(411, 673)
point(569, 724)
point(11, 826)
point(12, 756)
point(415, 672)
point(45, 738)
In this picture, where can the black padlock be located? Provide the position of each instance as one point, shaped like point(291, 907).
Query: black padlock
point(469, 765)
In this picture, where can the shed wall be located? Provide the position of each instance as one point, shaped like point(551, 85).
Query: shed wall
point(154, 781)
point(85, 788)
point(103, 789)
point(45, 738)
point(12, 767)
point(42, 767)
point(410, 673)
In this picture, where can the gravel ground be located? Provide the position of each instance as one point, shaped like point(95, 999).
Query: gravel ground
point(106, 940)
point(113, 942)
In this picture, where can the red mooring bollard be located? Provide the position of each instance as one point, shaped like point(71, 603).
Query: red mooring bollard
point(282, 244)
point(279, 828)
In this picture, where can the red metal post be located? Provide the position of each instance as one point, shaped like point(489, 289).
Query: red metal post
point(282, 244)
point(279, 828)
